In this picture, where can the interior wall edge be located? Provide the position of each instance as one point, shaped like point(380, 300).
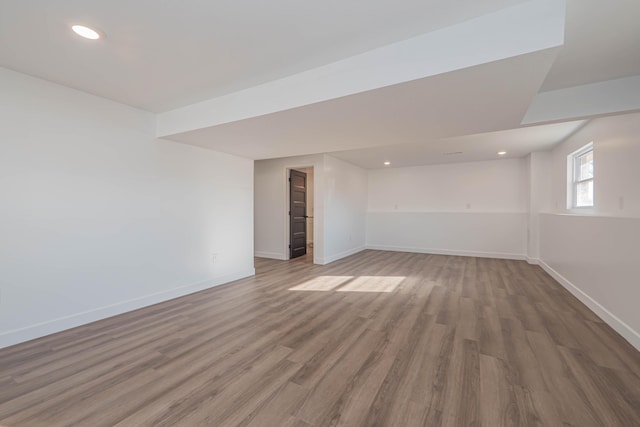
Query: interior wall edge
point(626, 331)
point(271, 255)
point(60, 324)
point(432, 251)
point(344, 254)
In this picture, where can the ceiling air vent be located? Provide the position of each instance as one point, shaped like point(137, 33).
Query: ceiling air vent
point(452, 153)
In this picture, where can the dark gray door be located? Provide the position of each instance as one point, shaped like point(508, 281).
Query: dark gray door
point(297, 213)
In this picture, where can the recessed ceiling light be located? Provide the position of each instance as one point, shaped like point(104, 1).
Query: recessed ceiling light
point(86, 32)
point(387, 163)
point(501, 153)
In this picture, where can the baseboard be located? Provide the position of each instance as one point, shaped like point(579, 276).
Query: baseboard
point(533, 261)
point(344, 254)
point(609, 318)
point(270, 255)
point(499, 255)
point(42, 329)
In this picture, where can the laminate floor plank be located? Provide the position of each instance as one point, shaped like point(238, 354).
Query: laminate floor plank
point(497, 395)
point(375, 339)
point(352, 406)
point(278, 409)
point(573, 408)
point(323, 396)
point(395, 355)
point(461, 402)
point(62, 395)
point(201, 379)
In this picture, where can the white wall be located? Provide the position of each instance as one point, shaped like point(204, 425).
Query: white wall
point(345, 187)
point(539, 191)
point(271, 200)
point(616, 148)
point(597, 258)
point(98, 217)
point(463, 208)
point(491, 186)
point(596, 255)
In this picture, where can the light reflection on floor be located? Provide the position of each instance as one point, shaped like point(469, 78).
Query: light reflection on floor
point(351, 284)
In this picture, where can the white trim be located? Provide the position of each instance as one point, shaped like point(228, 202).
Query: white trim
point(533, 261)
point(468, 212)
point(500, 255)
point(632, 336)
point(270, 255)
point(42, 329)
point(344, 254)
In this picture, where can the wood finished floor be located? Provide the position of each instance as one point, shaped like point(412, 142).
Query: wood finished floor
point(386, 339)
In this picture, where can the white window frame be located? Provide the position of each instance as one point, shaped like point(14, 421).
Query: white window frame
point(573, 169)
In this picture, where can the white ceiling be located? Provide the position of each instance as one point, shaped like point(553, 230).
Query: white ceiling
point(602, 42)
point(159, 55)
point(516, 142)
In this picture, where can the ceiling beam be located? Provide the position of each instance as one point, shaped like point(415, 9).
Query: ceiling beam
point(591, 100)
point(533, 26)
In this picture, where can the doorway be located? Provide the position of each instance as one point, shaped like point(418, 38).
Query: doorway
point(300, 212)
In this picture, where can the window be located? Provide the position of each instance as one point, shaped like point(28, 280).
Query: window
point(582, 176)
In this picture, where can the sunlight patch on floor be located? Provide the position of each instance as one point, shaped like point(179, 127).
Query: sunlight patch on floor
point(322, 283)
point(372, 284)
point(351, 284)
